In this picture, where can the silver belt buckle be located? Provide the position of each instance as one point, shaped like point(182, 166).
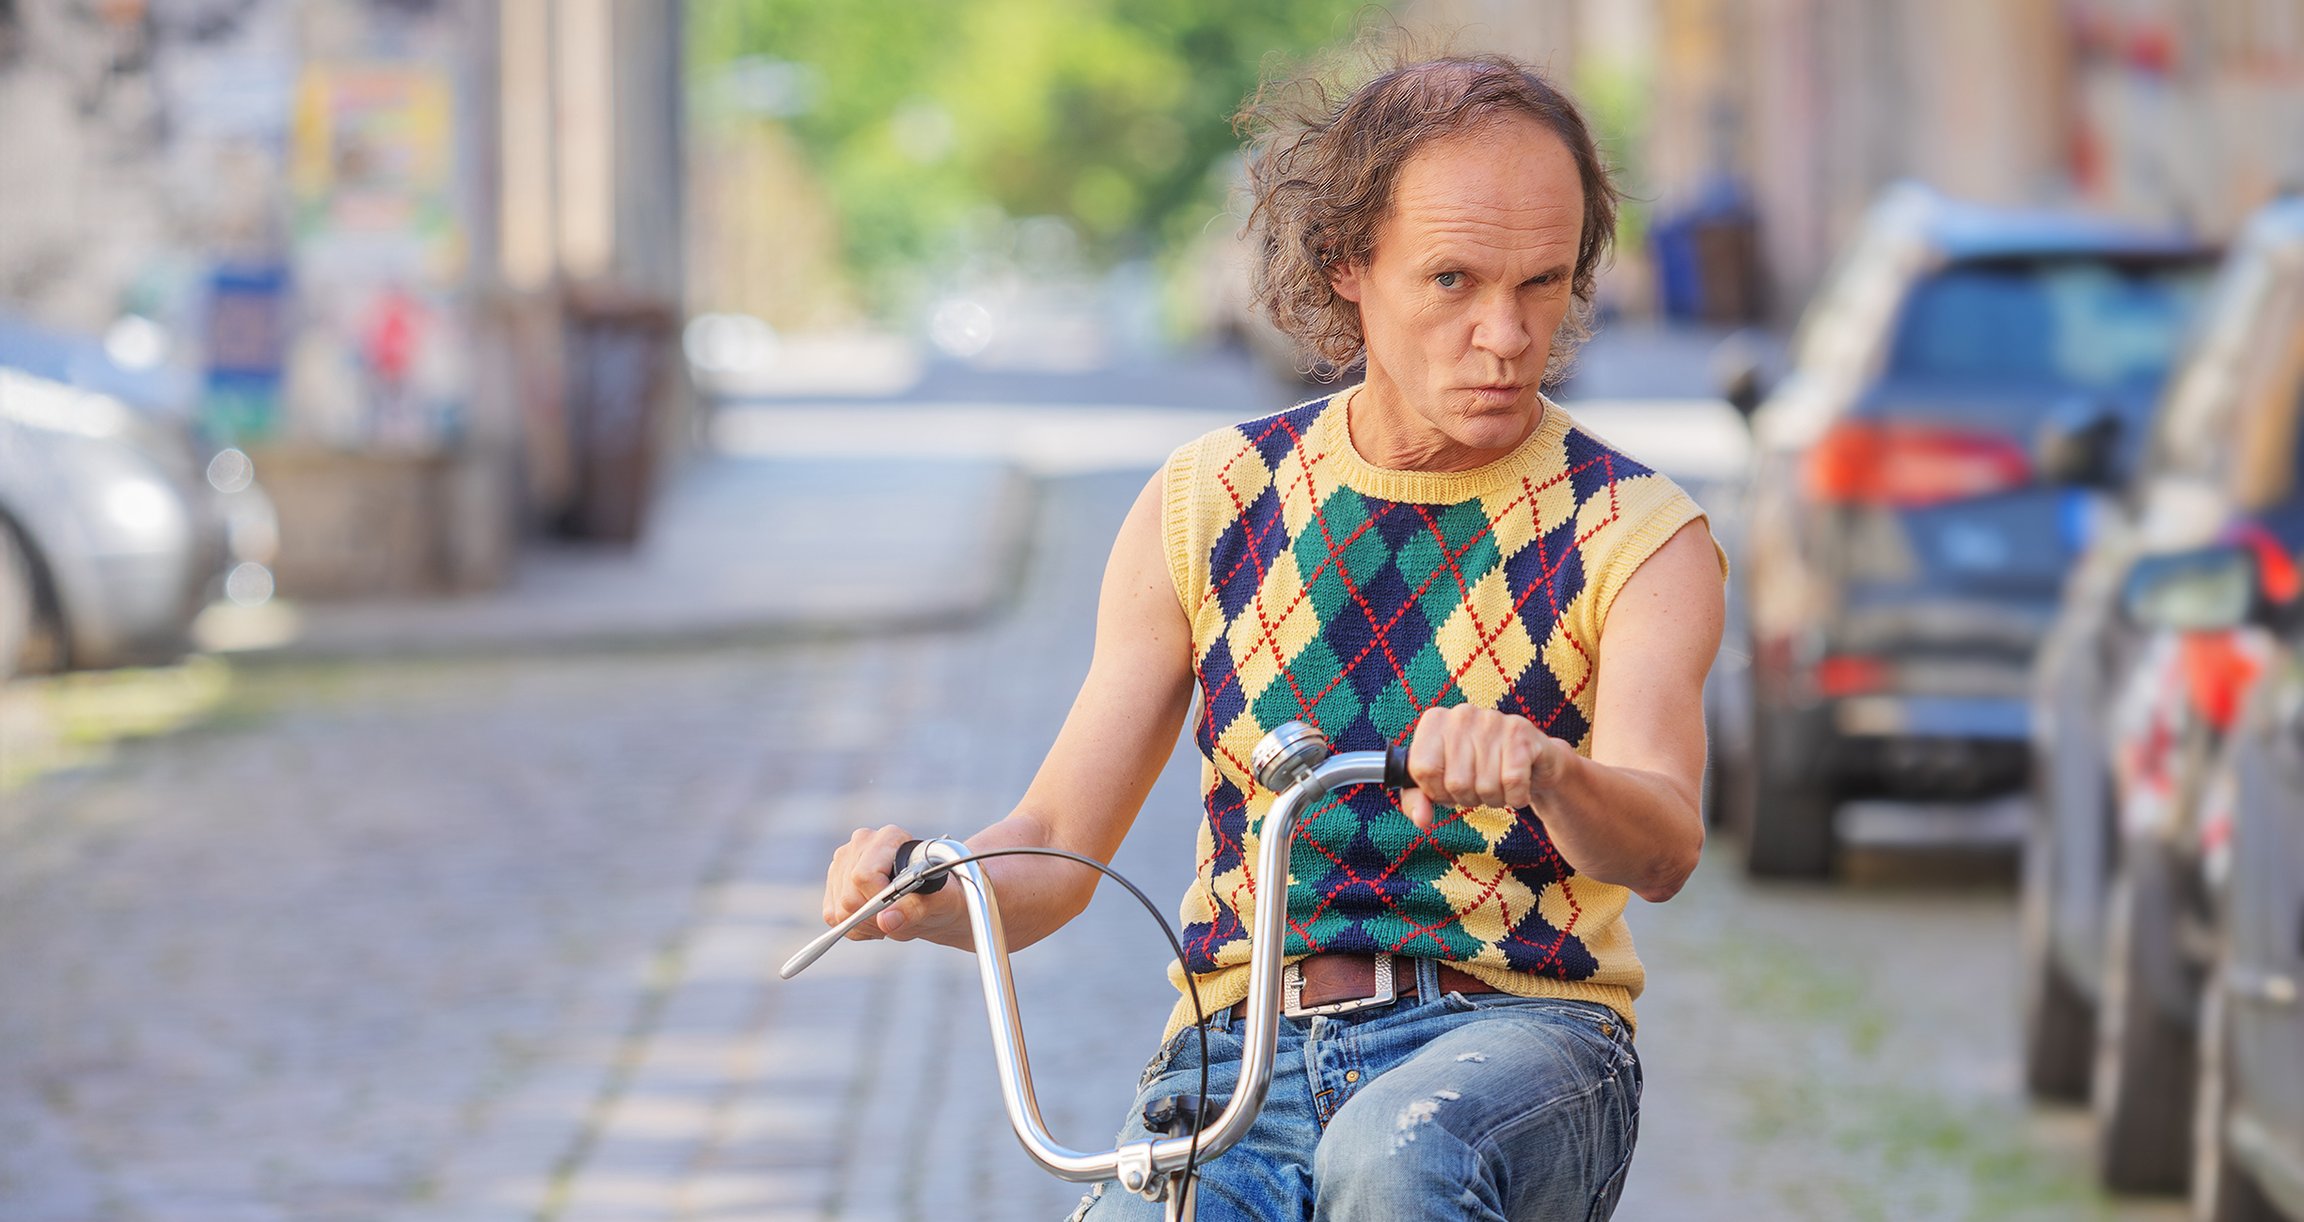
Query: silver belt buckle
point(1292, 991)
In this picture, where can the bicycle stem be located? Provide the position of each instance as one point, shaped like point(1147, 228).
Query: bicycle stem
point(1314, 778)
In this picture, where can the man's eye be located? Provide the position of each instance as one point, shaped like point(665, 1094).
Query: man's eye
point(1448, 280)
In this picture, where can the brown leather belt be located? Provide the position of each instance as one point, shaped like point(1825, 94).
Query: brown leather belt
point(1341, 983)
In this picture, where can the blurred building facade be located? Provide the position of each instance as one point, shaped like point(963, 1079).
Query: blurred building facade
point(386, 233)
point(1810, 107)
point(2194, 108)
point(2185, 111)
point(1794, 114)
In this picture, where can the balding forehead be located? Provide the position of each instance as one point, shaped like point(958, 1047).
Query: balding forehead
point(1517, 175)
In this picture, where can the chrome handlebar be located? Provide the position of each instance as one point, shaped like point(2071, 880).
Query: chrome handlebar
point(1293, 759)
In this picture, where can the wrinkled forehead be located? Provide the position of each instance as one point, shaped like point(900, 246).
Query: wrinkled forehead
point(1507, 182)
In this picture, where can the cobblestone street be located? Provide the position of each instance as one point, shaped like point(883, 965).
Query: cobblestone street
point(495, 939)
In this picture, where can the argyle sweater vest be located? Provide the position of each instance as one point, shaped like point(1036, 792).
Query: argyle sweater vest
point(1324, 589)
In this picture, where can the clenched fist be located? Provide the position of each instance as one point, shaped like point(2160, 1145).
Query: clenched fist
point(864, 865)
point(1464, 755)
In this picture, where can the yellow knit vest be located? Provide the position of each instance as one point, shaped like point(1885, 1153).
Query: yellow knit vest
point(1322, 588)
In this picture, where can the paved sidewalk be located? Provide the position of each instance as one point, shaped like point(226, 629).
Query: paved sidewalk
point(740, 547)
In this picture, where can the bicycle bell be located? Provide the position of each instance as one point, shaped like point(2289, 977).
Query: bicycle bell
point(1288, 754)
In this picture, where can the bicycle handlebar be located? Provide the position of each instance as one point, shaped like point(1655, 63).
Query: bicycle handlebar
point(1293, 759)
point(904, 853)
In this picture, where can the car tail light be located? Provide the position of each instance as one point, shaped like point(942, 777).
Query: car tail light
point(1911, 465)
point(2281, 579)
point(1840, 675)
point(2219, 668)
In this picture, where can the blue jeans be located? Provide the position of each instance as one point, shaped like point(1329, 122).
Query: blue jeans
point(1488, 1107)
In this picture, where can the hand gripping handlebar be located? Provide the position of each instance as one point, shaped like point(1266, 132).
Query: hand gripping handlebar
point(1295, 760)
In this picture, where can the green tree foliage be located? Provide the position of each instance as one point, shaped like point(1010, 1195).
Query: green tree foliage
point(926, 117)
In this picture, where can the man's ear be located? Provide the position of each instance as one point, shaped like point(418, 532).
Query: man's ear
point(1346, 280)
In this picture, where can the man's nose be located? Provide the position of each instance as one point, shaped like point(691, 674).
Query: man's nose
point(1499, 327)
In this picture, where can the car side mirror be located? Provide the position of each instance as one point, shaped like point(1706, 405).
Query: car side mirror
point(2196, 591)
point(1743, 391)
point(1738, 370)
point(2080, 447)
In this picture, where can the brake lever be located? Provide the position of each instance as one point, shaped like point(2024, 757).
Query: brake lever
point(906, 881)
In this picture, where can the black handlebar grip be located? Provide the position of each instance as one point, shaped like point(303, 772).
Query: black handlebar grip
point(904, 858)
point(1396, 768)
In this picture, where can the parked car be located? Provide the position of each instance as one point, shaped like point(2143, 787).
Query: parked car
point(1906, 531)
point(2133, 712)
point(119, 526)
point(2247, 1144)
point(2171, 719)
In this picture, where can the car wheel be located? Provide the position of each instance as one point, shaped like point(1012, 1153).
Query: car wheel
point(2143, 1082)
point(2221, 1190)
point(1722, 785)
point(1788, 806)
point(16, 607)
point(1715, 787)
point(2059, 1032)
point(1728, 749)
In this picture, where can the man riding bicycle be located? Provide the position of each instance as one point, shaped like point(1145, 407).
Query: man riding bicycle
point(1438, 557)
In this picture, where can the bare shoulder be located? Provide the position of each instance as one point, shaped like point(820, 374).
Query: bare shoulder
point(1656, 650)
point(1140, 605)
point(1137, 550)
point(1689, 557)
point(1674, 603)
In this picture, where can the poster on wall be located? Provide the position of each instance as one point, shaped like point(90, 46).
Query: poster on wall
point(372, 170)
point(246, 342)
point(380, 254)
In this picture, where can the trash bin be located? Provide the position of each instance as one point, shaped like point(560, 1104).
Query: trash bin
point(1707, 259)
point(619, 353)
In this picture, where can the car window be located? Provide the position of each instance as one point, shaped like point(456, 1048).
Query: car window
point(2077, 324)
point(1837, 333)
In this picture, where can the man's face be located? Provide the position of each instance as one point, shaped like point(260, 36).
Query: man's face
point(1469, 279)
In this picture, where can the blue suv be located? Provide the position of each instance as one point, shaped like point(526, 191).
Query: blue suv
point(1962, 392)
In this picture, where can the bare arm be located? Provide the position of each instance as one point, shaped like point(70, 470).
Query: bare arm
point(1631, 813)
point(1118, 736)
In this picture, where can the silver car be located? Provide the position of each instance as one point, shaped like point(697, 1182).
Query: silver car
point(115, 528)
point(2248, 1136)
point(2249, 1157)
point(2130, 715)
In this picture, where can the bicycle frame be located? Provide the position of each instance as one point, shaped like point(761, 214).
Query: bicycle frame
point(1293, 759)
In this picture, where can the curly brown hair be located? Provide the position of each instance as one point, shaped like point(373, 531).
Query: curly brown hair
point(1321, 173)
